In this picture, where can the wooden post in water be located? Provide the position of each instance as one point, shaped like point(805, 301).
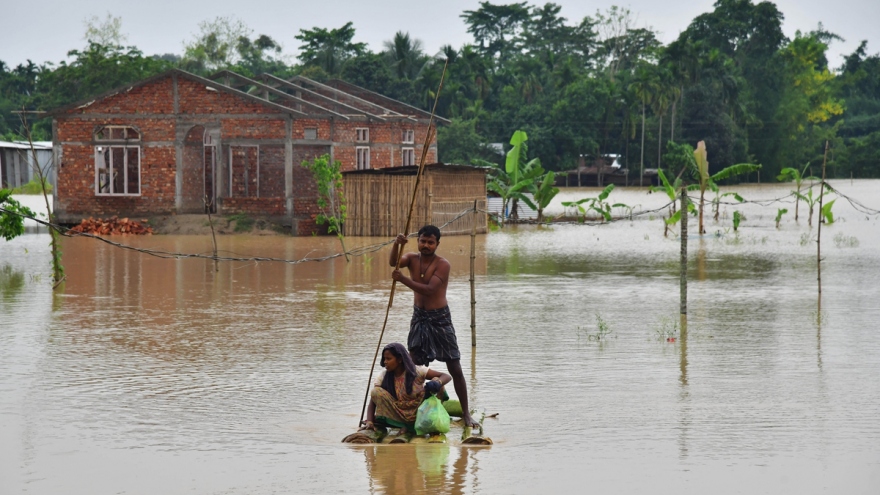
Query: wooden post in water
point(473, 288)
point(684, 256)
point(819, 232)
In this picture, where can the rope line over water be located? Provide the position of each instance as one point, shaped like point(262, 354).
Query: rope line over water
point(365, 250)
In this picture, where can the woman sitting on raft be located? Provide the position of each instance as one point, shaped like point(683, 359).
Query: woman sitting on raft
point(399, 390)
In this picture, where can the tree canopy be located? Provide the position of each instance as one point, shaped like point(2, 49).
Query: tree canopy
point(590, 86)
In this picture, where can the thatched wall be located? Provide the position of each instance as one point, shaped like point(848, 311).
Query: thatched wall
point(378, 203)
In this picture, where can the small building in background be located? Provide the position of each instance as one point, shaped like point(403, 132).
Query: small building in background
point(378, 201)
point(177, 143)
point(17, 163)
point(602, 170)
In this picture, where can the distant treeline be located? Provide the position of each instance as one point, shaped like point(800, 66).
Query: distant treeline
point(601, 85)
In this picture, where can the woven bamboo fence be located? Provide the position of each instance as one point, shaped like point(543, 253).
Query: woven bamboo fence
point(377, 204)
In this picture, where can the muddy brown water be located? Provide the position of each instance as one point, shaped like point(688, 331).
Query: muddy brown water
point(148, 375)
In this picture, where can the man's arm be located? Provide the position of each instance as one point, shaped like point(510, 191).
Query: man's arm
point(395, 248)
point(436, 283)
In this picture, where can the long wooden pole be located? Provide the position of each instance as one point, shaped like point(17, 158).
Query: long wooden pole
point(819, 232)
point(429, 137)
point(473, 288)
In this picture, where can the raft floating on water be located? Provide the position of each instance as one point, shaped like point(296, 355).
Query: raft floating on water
point(380, 434)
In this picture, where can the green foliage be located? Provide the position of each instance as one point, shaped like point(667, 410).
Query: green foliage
point(328, 49)
point(11, 220)
point(826, 212)
point(519, 176)
point(598, 205)
point(331, 201)
point(737, 218)
point(33, 187)
point(580, 86)
point(243, 222)
point(779, 213)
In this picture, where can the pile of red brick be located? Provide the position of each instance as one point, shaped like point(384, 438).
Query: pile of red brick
point(112, 226)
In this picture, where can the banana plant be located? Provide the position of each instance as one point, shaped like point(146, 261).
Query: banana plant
point(710, 182)
point(671, 191)
point(826, 212)
point(517, 177)
point(542, 193)
point(811, 201)
point(779, 213)
point(797, 176)
point(597, 204)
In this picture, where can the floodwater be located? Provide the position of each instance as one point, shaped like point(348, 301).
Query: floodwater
point(145, 375)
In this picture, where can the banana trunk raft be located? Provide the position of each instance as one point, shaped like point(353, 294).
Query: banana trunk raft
point(469, 436)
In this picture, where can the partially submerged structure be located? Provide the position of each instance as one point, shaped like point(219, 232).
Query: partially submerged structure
point(379, 200)
point(178, 143)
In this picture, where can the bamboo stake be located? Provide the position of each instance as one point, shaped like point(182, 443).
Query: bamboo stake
point(684, 250)
point(429, 136)
point(473, 288)
point(819, 232)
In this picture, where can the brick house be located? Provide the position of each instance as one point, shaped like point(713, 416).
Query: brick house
point(178, 143)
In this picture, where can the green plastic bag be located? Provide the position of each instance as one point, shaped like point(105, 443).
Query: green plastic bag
point(432, 417)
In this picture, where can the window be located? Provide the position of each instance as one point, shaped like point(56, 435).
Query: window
point(408, 136)
point(363, 157)
point(362, 135)
point(117, 161)
point(311, 133)
point(409, 157)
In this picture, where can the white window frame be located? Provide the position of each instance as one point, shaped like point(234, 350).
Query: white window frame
point(362, 134)
point(362, 157)
point(107, 143)
point(411, 152)
point(99, 162)
point(409, 136)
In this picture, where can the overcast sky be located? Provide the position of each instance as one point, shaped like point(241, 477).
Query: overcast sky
point(47, 30)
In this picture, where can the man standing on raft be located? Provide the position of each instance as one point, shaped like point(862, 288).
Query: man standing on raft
point(431, 334)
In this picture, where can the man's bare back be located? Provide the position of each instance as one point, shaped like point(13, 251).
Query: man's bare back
point(429, 273)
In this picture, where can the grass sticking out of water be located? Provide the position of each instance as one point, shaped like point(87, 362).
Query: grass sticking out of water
point(805, 239)
point(668, 328)
point(845, 241)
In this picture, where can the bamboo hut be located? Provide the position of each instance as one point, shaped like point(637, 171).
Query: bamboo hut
point(377, 201)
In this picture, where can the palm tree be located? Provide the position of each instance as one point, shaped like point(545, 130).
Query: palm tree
point(644, 85)
point(405, 55)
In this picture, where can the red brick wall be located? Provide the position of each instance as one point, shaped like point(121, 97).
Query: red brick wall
point(154, 97)
point(253, 206)
point(272, 171)
point(75, 195)
point(196, 98)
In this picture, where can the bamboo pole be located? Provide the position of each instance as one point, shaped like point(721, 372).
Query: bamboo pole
point(819, 232)
point(473, 288)
point(429, 136)
point(684, 235)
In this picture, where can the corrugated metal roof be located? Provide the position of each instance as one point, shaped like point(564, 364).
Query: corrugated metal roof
point(18, 145)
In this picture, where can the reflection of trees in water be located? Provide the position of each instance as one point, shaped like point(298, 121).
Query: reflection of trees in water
point(11, 282)
point(424, 468)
